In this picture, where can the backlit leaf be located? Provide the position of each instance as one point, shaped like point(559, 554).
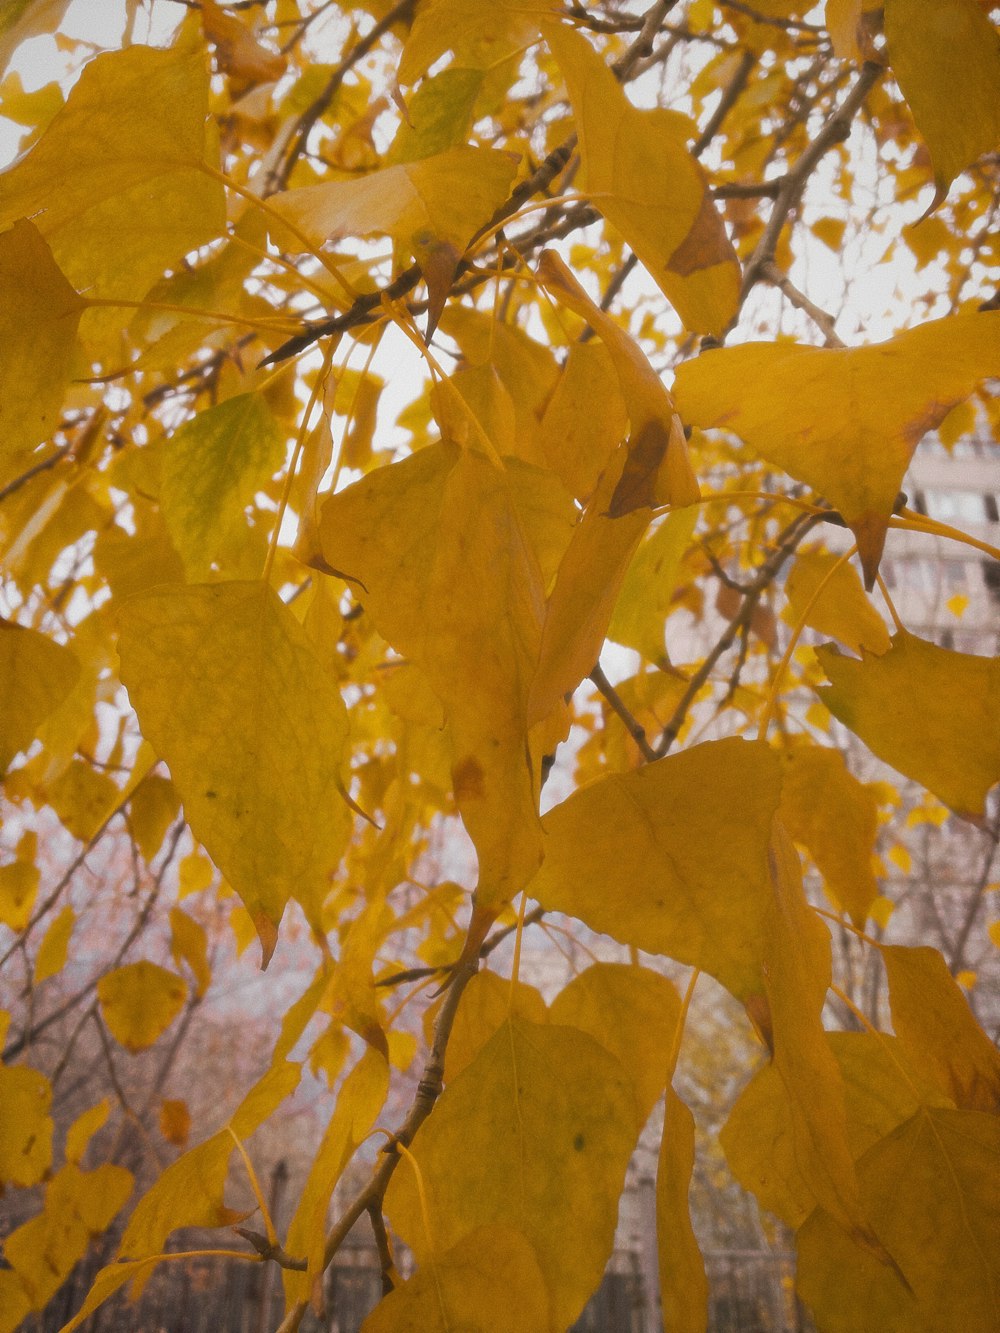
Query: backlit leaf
point(844, 420)
point(25, 1126)
point(684, 841)
point(835, 817)
point(139, 1001)
point(932, 1191)
point(438, 556)
point(359, 1101)
point(212, 468)
point(481, 36)
point(841, 610)
point(641, 176)
point(189, 1193)
point(126, 149)
point(39, 314)
point(189, 943)
point(931, 713)
point(83, 1129)
point(633, 1012)
point(935, 1026)
point(51, 956)
point(533, 1135)
point(487, 1001)
point(436, 201)
point(946, 59)
point(683, 1284)
point(36, 675)
point(229, 693)
point(491, 1270)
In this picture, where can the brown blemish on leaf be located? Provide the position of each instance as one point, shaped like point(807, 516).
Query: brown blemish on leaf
point(469, 779)
point(635, 489)
point(705, 245)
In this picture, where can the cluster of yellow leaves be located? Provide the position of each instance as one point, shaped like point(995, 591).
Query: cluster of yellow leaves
point(416, 657)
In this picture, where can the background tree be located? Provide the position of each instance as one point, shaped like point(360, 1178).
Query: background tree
point(418, 417)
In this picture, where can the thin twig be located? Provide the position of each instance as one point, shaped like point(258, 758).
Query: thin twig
point(825, 322)
point(634, 729)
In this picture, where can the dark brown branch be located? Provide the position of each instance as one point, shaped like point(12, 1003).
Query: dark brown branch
point(729, 97)
point(787, 543)
point(275, 1253)
point(400, 13)
point(836, 130)
point(613, 698)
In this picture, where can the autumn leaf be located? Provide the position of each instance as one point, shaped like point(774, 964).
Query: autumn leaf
point(480, 38)
point(935, 1026)
point(212, 467)
point(931, 713)
point(835, 817)
point(534, 1135)
point(26, 1127)
point(467, 1286)
point(946, 58)
point(139, 1001)
point(261, 785)
point(844, 420)
point(640, 174)
point(683, 1283)
point(128, 150)
point(841, 610)
point(39, 314)
point(36, 675)
point(437, 554)
point(931, 1190)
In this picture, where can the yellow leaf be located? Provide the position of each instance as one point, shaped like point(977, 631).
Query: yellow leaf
point(946, 59)
point(834, 816)
point(534, 1135)
point(481, 36)
point(152, 808)
point(935, 1026)
point(36, 676)
point(844, 420)
point(641, 176)
point(39, 314)
point(25, 1126)
point(83, 798)
point(796, 966)
point(51, 956)
point(83, 1129)
point(439, 557)
point(842, 610)
point(188, 942)
point(957, 604)
point(212, 468)
point(931, 1189)
point(189, 1193)
point(633, 1012)
point(106, 1282)
point(684, 841)
point(993, 930)
point(437, 201)
point(359, 1101)
point(239, 53)
point(486, 1003)
point(195, 873)
point(585, 419)
point(658, 470)
point(261, 785)
point(683, 1284)
point(931, 713)
point(880, 1092)
point(175, 1121)
point(126, 149)
point(139, 1002)
point(78, 1206)
point(490, 1277)
point(18, 890)
point(22, 19)
point(648, 587)
point(830, 231)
